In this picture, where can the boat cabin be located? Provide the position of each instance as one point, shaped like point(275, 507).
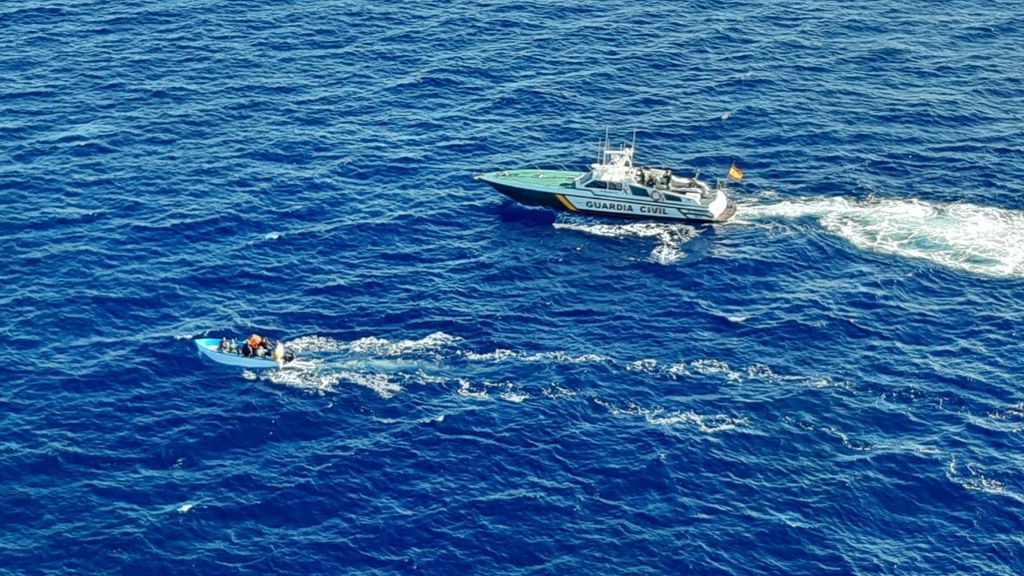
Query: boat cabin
point(616, 171)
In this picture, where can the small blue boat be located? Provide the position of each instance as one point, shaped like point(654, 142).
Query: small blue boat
point(211, 348)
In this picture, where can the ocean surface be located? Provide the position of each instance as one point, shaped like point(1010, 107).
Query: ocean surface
point(830, 383)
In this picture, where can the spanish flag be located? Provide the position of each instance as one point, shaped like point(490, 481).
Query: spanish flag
point(735, 173)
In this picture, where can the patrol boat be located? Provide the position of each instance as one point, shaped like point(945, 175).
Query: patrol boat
point(614, 186)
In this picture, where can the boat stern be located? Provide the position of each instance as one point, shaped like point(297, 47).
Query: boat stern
point(721, 208)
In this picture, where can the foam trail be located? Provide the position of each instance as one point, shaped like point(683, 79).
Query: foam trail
point(379, 364)
point(708, 424)
point(431, 345)
point(980, 240)
point(670, 237)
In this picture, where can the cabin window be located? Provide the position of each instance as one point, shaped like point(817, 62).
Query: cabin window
point(671, 197)
point(601, 184)
point(638, 191)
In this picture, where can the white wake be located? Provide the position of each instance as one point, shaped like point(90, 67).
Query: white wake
point(671, 237)
point(980, 240)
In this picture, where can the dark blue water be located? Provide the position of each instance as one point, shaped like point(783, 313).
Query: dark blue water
point(828, 384)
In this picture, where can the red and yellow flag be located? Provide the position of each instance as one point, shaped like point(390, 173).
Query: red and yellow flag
point(735, 173)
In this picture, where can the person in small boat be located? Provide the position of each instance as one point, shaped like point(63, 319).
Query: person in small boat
point(257, 345)
point(227, 346)
point(249, 346)
point(280, 354)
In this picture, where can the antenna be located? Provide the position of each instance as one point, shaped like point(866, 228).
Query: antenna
point(604, 147)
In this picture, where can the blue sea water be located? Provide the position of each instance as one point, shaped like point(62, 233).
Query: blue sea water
point(830, 383)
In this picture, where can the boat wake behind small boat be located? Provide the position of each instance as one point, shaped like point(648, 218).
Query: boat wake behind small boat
point(614, 186)
point(214, 349)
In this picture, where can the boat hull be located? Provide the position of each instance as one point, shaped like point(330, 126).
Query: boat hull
point(554, 189)
point(528, 197)
point(208, 348)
